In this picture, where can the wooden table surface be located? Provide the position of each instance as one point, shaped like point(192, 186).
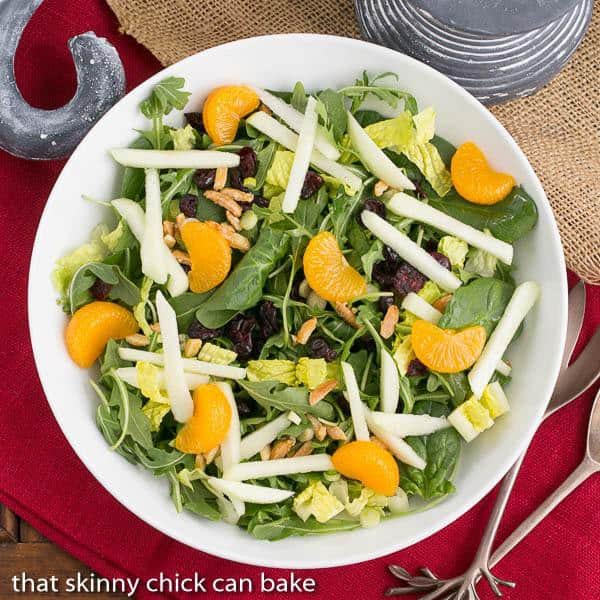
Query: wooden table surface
point(23, 549)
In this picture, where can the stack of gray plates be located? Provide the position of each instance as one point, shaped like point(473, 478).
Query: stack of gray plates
point(496, 49)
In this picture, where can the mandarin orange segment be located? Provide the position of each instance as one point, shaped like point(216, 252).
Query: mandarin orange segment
point(223, 109)
point(92, 326)
point(210, 254)
point(370, 463)
point(327, 271)
point(209, 424)
point(446, 350)
point(474, 178)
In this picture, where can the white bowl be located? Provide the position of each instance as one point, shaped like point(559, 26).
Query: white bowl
point(277, 62)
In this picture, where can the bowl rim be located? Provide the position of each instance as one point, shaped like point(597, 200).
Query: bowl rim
point(360, 555)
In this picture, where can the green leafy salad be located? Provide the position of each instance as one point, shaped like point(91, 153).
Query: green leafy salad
point(301, 307)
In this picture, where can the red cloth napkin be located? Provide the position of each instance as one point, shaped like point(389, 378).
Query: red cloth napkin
point(43, 481)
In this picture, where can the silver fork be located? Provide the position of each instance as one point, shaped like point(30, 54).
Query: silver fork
point(580, 377)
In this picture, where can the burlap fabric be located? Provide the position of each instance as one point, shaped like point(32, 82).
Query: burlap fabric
point(558, 128)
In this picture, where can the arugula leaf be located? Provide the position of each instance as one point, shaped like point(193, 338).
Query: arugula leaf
point(132, 184)
point(299, 97)
point(122, 288)
point(480, 302)
point(243, 288)
point(335, 118)
point(293, 525)
point(272, 394)
point(200, 501)
point(508, 220)
point(165, 96)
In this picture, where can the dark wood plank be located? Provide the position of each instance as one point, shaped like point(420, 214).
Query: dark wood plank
point(42, 561)
point(9, 525)
point(28, 534)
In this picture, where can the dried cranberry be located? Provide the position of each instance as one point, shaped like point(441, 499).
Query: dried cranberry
point(319, 348)
point(385, 302)
point(100, 289)
point(195, 120)
point(188, 205)
point(383, 273)
point(186, 268)
point(260, 201)
point(267, 319)
point(236, 180)
point(391, 256)
point(312, 183)
point(198, 331)
point(243, 407)
point(442, 259)
point(407, 279)
point(240, 333)
point(416, 367)
point(204, 178)
point(419, 190)
point(376, 206)
point(247, 162)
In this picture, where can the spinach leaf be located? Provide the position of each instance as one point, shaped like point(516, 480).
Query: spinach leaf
point(293, 525)
point(185, 306)
point(243, 288)
point(132, 185)
point(480, 302)
point(367, 117)
point(508, 220)
point(440, 450)
point(122, 288)
point(264, 159)
point(445, 148)
point(272, 394)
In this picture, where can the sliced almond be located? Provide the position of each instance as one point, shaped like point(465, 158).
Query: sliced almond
point(336, 433)
point(155, 327)
point(442, 302)
point(281, 447)
point(233, 221)
point(318, 427)
point(139, 340)
point(345, 312)
point(264, 108)
point(265, 453)
point(306, 330)
point(321, 391)
point(192, 347)
point(180, 221)
point(199, 462)
point(211, 455)
point(169, 228)
point(389, 322)
point(183, 258)
point(225, 201)
point(169, 241)
point(307, 435)
point(236, 240)
point(220, 178)
point(305, 449)
point(379, 188)
point(238, 195)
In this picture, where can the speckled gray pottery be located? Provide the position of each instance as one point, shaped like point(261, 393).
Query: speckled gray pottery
point(494, 67)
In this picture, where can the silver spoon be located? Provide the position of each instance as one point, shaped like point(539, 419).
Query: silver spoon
point(427, 581)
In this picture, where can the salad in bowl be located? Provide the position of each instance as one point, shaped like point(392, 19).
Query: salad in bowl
point(301, 314)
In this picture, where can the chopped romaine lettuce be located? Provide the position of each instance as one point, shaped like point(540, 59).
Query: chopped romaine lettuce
point(402, 352)
point(454, 248)
point(281, 167)
point(215, 354)
point(183, 138)
point(430, 292)
point(283, 371)
point(311, 372)
point(157, 407)
point(317, 501)
point(93, 251)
